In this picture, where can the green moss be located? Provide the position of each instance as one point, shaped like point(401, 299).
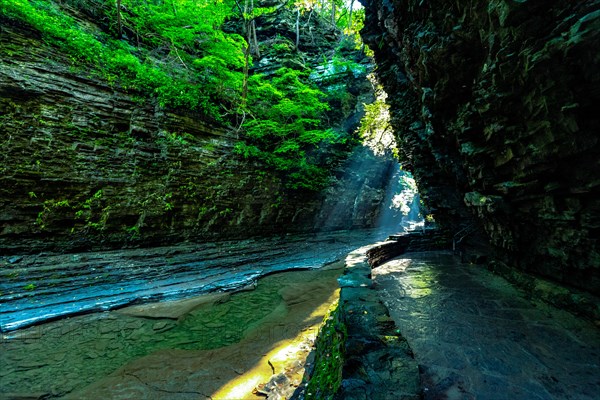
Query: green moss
point(199, 87)
point(327, 376)
point(90, 213)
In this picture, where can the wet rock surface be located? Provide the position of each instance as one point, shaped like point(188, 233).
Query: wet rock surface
point(220, 347)
point(378, 362)
point(45, 287)
point(475, 336)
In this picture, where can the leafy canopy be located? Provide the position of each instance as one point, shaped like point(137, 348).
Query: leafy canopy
point(176, 53)
point(286, 130)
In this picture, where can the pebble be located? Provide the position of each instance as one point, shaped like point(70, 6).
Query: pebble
point(159, 325)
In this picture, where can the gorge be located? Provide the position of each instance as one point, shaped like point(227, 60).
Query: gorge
point(155, 151)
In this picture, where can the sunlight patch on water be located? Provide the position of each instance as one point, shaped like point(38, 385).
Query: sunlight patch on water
point(282, 358)
point(209, 340)
point(287, 357)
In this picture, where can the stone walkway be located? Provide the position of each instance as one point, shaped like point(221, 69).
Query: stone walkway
point(474, 336)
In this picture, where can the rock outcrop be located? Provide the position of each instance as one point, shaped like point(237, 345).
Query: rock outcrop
point(494, 106)
point(360, 353)
point(85, 164)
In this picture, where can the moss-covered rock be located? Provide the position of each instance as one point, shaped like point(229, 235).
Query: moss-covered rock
point(87, 163)
point(326, 378)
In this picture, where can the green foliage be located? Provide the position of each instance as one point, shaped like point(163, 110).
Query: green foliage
point(29, 287)
point(283, 47)
point(46, 18)
point(89, 213)
point(287, 132)
point(175, 53)
point(342, 64)
point(200, 67)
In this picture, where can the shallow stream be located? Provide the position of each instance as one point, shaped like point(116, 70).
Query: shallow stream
point(203, 346)
point(188, 320)
point(38, 288)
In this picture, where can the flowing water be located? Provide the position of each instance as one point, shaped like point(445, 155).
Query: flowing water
point(39, 288)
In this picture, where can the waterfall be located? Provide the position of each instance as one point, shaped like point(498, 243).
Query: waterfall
point(401, 209)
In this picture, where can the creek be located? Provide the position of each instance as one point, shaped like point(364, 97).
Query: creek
point(40, 288)
point(201, 338)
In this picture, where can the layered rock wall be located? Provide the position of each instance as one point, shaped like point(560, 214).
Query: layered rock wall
point(494, 105)
point(85, 164)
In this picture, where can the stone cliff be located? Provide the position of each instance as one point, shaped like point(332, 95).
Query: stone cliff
point(86, 164)
point(494, 104)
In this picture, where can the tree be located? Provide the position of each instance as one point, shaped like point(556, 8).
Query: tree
point(333, 13)
point(119, 23)
point(249, 31)
point(297, 27)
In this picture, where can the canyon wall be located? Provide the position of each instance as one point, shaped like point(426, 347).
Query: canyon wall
point(495, 105)
point(85, 164)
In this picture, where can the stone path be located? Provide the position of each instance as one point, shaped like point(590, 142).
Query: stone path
point(476, 337)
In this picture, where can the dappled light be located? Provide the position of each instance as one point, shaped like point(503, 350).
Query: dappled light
point(413, 285)
point(286, 358)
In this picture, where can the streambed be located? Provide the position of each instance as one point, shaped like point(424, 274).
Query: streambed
point(44, 287)
point(218, 346)
point(167, 322)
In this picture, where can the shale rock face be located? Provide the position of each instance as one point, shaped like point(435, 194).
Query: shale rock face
point(85, 164)
point(495, 106)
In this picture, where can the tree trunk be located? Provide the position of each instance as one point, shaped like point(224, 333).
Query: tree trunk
point(119, 24)
point(350, 15)
point(255, 39)
point(247, 27)
point(333, 13)
point(297, 28)
point(245, 81)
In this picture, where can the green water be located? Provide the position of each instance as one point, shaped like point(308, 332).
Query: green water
point(66, 355)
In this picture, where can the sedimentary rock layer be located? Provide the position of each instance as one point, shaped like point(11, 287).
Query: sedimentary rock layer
point(88, 164)
point(494, 104)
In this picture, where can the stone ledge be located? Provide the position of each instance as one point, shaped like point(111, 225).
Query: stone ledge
point(378, 362)
point(408, 242)
point(566, 298)
point(577, 302)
